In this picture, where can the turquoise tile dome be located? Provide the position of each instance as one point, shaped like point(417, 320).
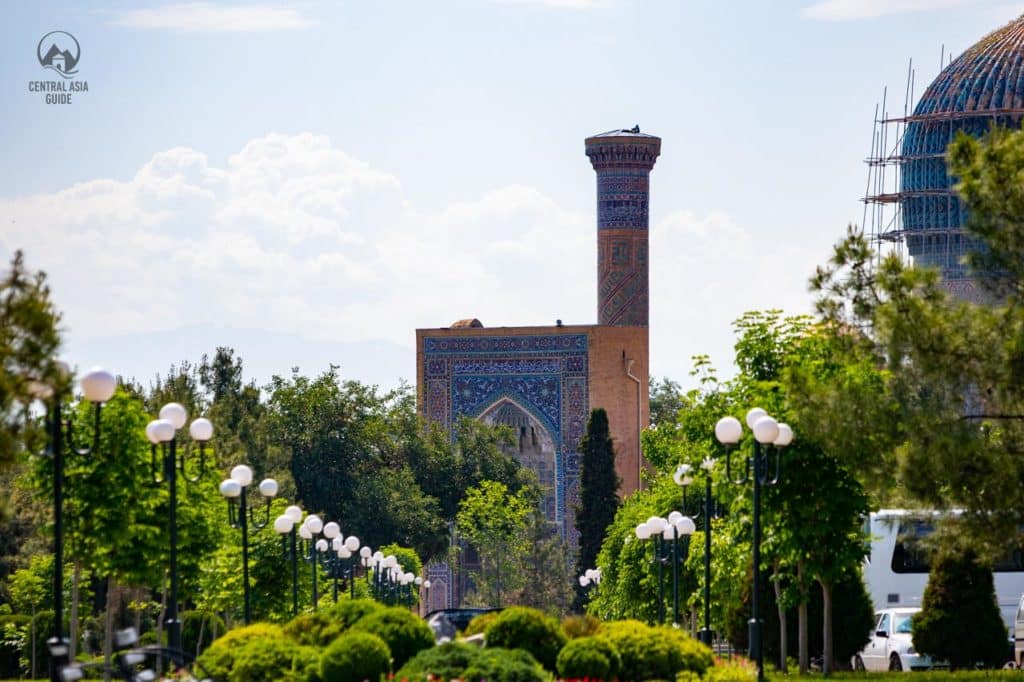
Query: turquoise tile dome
point(982, 87)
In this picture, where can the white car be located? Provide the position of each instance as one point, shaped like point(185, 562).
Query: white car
point(890, 647)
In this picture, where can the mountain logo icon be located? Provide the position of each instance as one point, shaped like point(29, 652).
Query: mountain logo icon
point(59, 50)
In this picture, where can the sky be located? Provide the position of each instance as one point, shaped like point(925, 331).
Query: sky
point(309, 182)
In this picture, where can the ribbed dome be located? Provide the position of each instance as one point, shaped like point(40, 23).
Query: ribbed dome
point(981, 87)
point(988, 76)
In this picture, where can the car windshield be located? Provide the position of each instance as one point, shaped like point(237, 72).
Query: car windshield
point(902, 622)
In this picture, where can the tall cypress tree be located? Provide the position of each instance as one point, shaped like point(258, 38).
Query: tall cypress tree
point(599, 496)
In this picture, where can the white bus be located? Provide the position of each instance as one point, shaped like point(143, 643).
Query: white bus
point(896, 571)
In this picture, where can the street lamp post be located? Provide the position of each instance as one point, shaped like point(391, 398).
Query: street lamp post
point(591, 576)
point(162, 434)
point(98, 386)
point(683, 479)
point(365, 559)
point(332, 532)
point(347, 552)
point(233, 488)
point(310, 528)
point(663, 530)
point(757, 470)
point(285, 525)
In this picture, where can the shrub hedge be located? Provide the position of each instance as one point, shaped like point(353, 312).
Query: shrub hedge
point(655, 653)
point(504, 665)
point(446, 661)
point(524, 628)
point(591, 658)
point(274, 659)
point(405, 633)
point(219, 658)
point(355, 656)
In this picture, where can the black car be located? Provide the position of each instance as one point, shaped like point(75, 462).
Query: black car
point(446, 623)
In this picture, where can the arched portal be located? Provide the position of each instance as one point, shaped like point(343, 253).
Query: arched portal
point(532, 447)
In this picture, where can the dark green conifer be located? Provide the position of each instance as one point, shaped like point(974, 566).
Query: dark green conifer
point(959, 620)
point(599, 492)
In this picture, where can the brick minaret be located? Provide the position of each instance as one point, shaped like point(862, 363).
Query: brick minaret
point(623, 160)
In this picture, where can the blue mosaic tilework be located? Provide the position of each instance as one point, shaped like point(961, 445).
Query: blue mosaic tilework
point(623, 163)
point(984, 86)
point(622, 197)
point(545, 374)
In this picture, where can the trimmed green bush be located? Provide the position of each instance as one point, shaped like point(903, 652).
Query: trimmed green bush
point(504, 665)
point(405, 633)
point(349, 611)
point(219, 658)
point(273, 659)
point(580, 626)
point(959, 619)
point(686, 653)
point(198, 630)
point(355, 656)
point(480, 624)
point(524, 628)
point(589, 657)
point(314, 629)
point(446, 661)
point(655, 653)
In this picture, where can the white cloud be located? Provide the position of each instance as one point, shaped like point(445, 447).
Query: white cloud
point(845, 10)
point(205, 17)
point(706, 271)
point(293, 235)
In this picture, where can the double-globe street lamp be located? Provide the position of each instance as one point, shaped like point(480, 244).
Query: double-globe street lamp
point(591, 576)
point(308, 531)
point(342, 549)
point(758, 470)
point(162, 433)
point(98, 386)
point(286, 525)
point(664, 530)
point(241, 516)
point(684, 479)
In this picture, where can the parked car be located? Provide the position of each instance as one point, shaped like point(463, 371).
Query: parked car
point(446, 623)
point(1018, 635)
point(891, 646)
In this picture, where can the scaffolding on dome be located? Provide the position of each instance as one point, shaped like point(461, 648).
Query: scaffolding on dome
point(910, 206)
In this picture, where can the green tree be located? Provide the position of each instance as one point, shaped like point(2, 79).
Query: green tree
point(547, 574)
point(494, 520)
point(959, 619)
point(29, 340)
point(948, 427)
point(665, 400)
point(599, 492)
point(989, 170)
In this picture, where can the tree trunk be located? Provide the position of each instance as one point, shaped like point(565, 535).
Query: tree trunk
point(108, 628)
point(76, 577)
point(826, 609)
point(803, 632)
point(783, 635)
point(32, 630)
point(199, 640)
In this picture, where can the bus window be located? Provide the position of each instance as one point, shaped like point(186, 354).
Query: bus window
point(909, 555)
